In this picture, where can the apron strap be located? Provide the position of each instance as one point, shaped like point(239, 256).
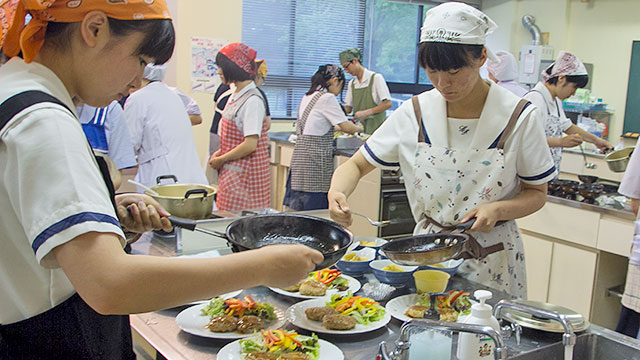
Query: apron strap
point(522, 104)
point(418, 112)
point(18, 102)
point(305, 114)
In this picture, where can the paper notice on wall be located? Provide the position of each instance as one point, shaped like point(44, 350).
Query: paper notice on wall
point(204, 70)
point(529, 64)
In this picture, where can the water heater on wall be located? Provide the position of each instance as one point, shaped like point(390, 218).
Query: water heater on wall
point(531, 57)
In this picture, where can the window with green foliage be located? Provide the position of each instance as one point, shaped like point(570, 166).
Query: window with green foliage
point(391, 35)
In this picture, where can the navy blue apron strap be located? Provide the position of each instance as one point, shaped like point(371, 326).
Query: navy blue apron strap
point(18, 102)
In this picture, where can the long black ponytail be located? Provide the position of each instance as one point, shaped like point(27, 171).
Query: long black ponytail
point(320, 80)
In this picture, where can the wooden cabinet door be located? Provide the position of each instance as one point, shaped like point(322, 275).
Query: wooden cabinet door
point(572, 278)
point(537, 256)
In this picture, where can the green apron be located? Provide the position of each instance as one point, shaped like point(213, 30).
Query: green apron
point(363, 100)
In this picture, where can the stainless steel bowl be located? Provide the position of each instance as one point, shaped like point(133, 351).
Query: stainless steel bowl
point(618, 160)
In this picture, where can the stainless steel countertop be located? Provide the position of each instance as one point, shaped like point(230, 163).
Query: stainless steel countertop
point(160, 330)
point(623, 214)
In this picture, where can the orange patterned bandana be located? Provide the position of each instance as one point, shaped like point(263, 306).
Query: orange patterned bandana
point(16, 36)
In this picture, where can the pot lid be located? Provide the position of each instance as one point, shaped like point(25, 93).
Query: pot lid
point(578, 322)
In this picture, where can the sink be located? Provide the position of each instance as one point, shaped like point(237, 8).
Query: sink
point(589, 346)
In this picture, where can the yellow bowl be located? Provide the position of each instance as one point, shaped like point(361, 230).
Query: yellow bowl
point(431, 281)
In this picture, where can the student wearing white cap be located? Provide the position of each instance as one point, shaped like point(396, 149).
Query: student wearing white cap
point(467, 149)
point(505, 72)
point(561, 79)
point(161, 132)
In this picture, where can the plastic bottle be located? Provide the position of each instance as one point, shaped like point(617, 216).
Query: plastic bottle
point(478, 347)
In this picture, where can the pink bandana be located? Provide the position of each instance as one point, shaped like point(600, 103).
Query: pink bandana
point(241, 55)
point(565, 64)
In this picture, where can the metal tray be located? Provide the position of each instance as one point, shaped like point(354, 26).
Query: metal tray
point(578, 322)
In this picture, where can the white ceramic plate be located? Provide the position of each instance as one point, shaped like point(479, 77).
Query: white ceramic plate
point(328, 351)
point(192, 321)
point(226, 296)
point(396, 307)
point(295, 315)
point(354, 285)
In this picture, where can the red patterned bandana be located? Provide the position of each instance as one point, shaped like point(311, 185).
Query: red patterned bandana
point(241, 55)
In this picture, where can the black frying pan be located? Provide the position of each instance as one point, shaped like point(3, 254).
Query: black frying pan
point(429, 249)
point(253, 232)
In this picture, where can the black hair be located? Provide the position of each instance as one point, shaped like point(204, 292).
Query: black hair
point(321, 78)
point(580, 80)
point(231, 71)
point(157, 44)
point(441, 56)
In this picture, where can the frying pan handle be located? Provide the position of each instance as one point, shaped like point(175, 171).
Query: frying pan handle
point(467, 225)
point(183, 223)
point(189, 224)
point(162, 177)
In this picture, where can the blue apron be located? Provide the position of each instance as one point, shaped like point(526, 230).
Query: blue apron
point(95, 132)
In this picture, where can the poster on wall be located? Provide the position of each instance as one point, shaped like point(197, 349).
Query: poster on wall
point(204, 70)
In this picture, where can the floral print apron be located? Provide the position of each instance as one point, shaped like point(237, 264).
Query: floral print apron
point(451, 182)
point(553, 128)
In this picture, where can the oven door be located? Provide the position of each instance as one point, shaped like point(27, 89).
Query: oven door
point(394, 206)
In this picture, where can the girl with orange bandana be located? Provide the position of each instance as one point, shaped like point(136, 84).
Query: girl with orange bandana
point(67, 285)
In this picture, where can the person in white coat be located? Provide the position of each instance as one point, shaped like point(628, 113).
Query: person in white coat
point(629, 322)
point(505, 72)
point(161, 132)
point(561, 79)
point(467, 149)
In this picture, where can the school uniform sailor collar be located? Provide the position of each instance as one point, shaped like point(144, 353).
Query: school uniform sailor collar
point(495, 115)
point(551, 102)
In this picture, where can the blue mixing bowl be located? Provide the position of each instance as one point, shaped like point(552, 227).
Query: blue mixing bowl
point(395, 278)
point(357, 267)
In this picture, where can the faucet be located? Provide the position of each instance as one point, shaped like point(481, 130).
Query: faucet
point(401, 352)
point(569, 337)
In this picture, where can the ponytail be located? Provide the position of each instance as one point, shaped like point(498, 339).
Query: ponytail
point(320, 80)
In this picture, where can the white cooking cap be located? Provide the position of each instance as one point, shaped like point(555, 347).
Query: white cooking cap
point(154, 72)
point(457, 23)
point(506, 69)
